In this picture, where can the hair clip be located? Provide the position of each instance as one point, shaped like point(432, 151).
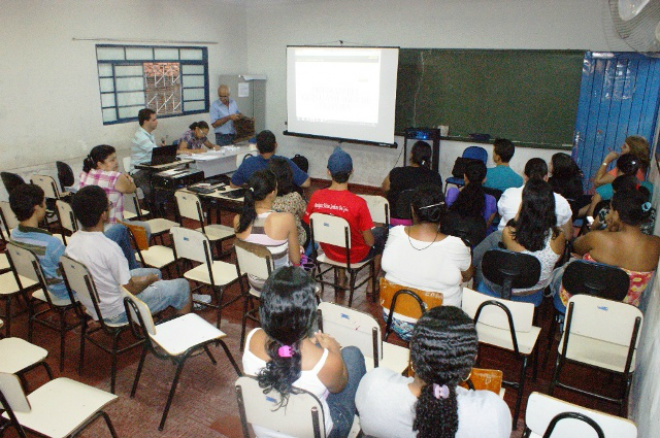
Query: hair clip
point(439, 204)
point(285, 351)
point(440, 391)
point(646, 206)
point(251, 189)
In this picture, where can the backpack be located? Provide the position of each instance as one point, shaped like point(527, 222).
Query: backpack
point(301, 162)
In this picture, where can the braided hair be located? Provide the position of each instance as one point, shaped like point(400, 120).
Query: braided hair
point(287, 312)
point(443, 349)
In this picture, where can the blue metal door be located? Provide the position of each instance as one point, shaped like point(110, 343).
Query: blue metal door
point(619, 97)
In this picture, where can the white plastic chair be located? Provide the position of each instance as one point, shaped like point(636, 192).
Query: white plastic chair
point(195, 246)
point(154, 256)
point(335, 230)
point(379, 208)
point(176, 340)
point(4, 263)
point(67, 218)
point(60, 408)
point(132, 208)
point(190, 207)
point(351, 327)
point(603, 334)
point(48, 185)
point(543, 409)
point(8, 219)
point(18, 356)
point(25, 264)
point(507, 325)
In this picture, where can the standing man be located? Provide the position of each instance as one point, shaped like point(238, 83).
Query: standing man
point(224, 112)
point(143, 143)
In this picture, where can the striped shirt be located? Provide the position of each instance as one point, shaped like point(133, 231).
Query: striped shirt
point(142, 145)
point(107, 181)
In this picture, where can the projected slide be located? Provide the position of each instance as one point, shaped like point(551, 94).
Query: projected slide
point(342, 92)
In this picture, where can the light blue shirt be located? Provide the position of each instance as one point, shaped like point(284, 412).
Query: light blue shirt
point(502, 178)
point(220, 110)
point(142, 145)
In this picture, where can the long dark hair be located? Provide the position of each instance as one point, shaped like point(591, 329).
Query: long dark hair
point(287, 312)
point(421, 154)
point(537, 216)
point(566, 176)
point(260, 184)
point(443, 349)
point(428, 203)
point(471, 201)
point(632, 205)
point(282, 170)
point(97, 154)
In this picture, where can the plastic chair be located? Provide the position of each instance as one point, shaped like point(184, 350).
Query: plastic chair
point(18, 356)
point(65, 175)
point(8, 219)
point(379, 209)
point(252, 260)
point(67, 218)
point(550, 417)
point(472, 153)
point(506, 325)
point(510, 270)
point(603, 334)
point(153, 256)
point(190, 207)
point(57, 409)
point(11, 181)
point(132, 208)
point(195, 246)
point(78, 279)
point(176, 340)
point(4, 263)
point(25, 264)
point(335, 230)
point(352, 327)
point(51, 192)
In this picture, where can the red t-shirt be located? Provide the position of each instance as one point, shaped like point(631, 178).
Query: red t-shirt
point(349, 206)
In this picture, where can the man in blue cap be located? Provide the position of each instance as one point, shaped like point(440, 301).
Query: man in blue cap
point(337, 200)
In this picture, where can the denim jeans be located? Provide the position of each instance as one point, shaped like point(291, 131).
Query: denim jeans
point(118, 233)
point(342, 404)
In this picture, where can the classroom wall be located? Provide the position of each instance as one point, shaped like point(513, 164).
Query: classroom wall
point(497, 24)
point(49, 92)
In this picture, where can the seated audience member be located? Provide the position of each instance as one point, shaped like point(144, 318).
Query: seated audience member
point(566, 180)
point(443, 351)
point(100, 168)
point(502, 177)
point(418, 173)
point(285, 353)
point(621, 184)
point(288, 199)
point(533, 231)
point(622, 244)
point(29, 205)
point(109, 268)
point(195, 139)
point(471, 200)
point(422, 257)
point(337, 200)
point(634, 145)
point(259, 223)
point(627, 164)
point(266, 145)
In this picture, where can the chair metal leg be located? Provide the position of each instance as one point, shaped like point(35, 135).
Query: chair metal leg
point(138, 373)
point(179, 368)
point(113, 368)
point(555, 375)
point(62, 338)
point(351, 280)
point(48, 370)
point(230, 357)
point(521, 389)
point(208, 353)
point(243, 322)
point(8, 316)
point(83, 333)
point(218, 295)
point(111, 428)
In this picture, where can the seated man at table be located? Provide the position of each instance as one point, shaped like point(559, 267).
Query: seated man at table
point(109, 268)
point(266, 144)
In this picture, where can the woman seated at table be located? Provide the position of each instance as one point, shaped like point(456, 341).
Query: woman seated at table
point(288, 199)
point(635, 145)
point(443, 350)
point(622, 245)
point(195, 139)
point(407, 178)
point(259, 223)
point(422, 257)
point(533, 231)
point(286, 353)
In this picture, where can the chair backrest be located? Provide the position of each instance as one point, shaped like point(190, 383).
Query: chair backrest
point(192, 245)
point(138, 235)
point(25, 264)
point(138, 312)
point(67, 218)
point(189, 206)
point(65, 174)
point(602, 319)
point(510, 269)
point(605, 281)
point(542, 408)
point(132, 204)
point(79, 280)
point(405, 304)
point(47, 184)
point(11, 389)
point(8, 218)
point(302, 417)
point(329, 229)
point(352, 327)
point(253, 259)
point(476, 153)
point(522, 314)
point(126, 162)
point(379, 208)
point(11, 181)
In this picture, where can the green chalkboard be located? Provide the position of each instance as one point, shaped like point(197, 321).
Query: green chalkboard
point(529, 96)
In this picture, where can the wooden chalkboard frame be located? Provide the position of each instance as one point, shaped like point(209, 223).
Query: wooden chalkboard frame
point(528, 96)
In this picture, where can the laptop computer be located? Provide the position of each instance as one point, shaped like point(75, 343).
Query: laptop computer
point(163, 155)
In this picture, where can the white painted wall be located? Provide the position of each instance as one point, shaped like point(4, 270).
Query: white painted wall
point(497, 24)
point(49, 92)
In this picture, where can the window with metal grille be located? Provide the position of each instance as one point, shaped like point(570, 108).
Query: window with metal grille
point(172, 81)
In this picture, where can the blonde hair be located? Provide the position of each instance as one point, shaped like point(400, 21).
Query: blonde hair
point(640, 148)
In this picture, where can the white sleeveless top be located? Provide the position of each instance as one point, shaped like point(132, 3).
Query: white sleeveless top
point(547, 257)
point(309, 381)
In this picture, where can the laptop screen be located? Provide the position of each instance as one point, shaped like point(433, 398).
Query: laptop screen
point(163, 155)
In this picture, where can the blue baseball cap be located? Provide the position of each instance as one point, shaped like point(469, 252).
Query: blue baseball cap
point(339, 161)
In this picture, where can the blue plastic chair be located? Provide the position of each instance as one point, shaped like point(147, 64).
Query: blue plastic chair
point(472, 152)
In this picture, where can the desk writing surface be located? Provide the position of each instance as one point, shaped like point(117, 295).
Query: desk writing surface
point(160, 167)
